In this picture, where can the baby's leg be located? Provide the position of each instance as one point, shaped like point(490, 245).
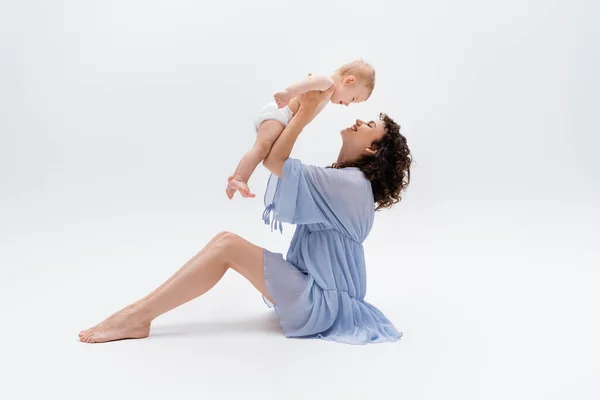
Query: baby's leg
point(267, 134)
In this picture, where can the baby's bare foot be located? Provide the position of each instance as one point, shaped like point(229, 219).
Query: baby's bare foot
point(230, 191)
point(125, 324)
point(241, 187)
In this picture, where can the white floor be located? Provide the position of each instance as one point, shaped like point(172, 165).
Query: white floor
point(491, 308)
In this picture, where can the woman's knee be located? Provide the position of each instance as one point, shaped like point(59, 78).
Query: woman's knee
point(226, 241)
point(233, 251)
point(221, 234)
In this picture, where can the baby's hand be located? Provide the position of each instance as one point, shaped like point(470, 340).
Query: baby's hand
point(282, 98)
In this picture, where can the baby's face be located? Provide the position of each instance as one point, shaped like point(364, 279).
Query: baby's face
point(350, 90)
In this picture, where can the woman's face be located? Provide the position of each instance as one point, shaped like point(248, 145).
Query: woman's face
point(358, 138)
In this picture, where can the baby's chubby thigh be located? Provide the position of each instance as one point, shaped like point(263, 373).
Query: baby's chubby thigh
point(270, 122)
point(266, 135)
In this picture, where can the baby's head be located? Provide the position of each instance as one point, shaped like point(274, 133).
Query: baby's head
point(354, 83)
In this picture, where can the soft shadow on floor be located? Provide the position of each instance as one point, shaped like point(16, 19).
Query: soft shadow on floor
point(267, 324)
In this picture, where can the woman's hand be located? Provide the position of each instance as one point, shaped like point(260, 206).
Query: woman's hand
point(282, 98)
point(309, 101)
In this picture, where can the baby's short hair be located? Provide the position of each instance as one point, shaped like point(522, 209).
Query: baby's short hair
point(363, 72)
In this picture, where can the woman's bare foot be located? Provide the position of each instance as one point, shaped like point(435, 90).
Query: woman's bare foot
point(126, 324)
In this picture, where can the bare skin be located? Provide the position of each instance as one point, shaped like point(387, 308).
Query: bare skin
point(267, 134)
point(205, 269)
point(269, 131)
point(225, 251)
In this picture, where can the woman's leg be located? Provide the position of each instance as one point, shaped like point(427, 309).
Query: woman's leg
point(170, 279)
point(267, 134)
point(198, 276)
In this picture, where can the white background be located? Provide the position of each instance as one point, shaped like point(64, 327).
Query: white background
point(120, 121)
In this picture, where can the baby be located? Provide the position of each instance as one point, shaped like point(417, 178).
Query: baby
point(352, 83)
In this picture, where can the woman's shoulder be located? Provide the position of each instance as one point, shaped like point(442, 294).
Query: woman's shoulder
point(347, 179)
point(351, 176)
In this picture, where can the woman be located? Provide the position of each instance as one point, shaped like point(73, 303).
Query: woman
point(319, 290)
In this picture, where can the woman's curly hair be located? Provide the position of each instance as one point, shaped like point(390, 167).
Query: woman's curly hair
point(389, 168)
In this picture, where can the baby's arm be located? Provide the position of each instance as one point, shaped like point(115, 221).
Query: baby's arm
point(316, 82)
point(312, 82)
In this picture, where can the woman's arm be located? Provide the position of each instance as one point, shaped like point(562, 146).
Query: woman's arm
point(282, 147)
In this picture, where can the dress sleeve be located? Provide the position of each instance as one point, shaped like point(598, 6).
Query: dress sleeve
point(307, 194)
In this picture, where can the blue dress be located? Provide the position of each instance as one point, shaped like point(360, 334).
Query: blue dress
point(319, 290)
